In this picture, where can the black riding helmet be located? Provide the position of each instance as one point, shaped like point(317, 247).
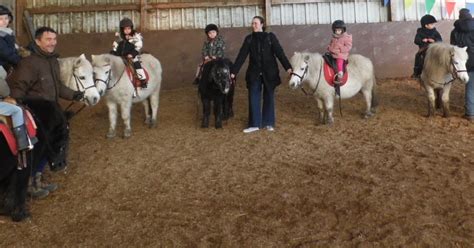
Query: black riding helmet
point(211, 27)
point(427, 19)
point(5, 11)
point(126, 22)
point(338, 24)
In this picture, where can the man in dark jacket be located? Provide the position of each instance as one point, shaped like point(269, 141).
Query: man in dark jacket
point(462, 36)
point(262, 71)
point(37, 77)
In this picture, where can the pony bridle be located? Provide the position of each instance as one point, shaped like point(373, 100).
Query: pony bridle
point(455, 70)
point(107, 81)
point(78, 81)
point(303, 75)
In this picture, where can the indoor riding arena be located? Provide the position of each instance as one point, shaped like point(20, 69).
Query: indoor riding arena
point(396, 179)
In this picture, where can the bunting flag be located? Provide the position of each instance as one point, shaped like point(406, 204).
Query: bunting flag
point(470, 6)
point(408, 3)
point(429, 5)
point(385, 2)
point(450, 6)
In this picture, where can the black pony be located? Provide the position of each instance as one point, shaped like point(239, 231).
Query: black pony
point(216, 86)
point(53, 136)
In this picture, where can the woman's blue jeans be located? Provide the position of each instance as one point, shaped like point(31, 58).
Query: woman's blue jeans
point(261, 116)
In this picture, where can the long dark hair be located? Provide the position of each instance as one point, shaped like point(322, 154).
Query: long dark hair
point(262, 21)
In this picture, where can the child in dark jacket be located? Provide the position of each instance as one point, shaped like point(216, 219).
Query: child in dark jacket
point(129, 44)
point(213, 48)
point(425, 35)
point(9, 58)
point(9, 55)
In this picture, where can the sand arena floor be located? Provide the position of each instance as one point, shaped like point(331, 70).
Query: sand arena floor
point(398, 179)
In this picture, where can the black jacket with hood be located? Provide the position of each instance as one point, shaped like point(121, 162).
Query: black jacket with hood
point(463, 35)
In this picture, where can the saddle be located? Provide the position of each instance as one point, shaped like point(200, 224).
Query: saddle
point(132, 75)
point(6, 130)
point(330, 70)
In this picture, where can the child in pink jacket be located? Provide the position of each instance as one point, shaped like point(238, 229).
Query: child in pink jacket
point(341, 44)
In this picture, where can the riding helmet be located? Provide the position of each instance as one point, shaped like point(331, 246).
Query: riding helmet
point(338, 24)
point(211, 27)
point(126, 22)
point(5, 11)
point(427, 19)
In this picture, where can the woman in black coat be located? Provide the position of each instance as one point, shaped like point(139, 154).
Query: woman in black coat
point(262, 72)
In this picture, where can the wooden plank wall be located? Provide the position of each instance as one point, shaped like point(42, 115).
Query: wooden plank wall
point(98, 16)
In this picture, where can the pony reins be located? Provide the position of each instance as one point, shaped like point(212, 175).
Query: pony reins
point(304, 75)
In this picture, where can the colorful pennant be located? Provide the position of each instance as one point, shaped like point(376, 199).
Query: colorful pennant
point(429, 5)
point(450, 4)
point(470, 6)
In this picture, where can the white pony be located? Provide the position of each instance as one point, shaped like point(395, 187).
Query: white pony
point(308, 68)
point(76, 74)
point(444, 64)
point(112, 80)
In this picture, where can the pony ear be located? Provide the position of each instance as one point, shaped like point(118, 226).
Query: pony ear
point(465, 48)
point(77, 62)
point(82, 56)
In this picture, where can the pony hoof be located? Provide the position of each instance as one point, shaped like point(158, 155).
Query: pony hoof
point(110, 134)
point(147, 121)
point(152, 124)
point(368, 115)
point(127, 133)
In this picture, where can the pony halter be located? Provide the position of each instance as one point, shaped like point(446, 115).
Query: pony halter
point(78, 80)
point(454, 73)
point(304, 73)
point(106, 81)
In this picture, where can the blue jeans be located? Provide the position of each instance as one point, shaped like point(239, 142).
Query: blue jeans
point(14, 111)
point(258, 116)
point(469, 95)
point(41, 166)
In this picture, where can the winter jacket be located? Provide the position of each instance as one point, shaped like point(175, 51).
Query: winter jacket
point(37, 76)
point(463, 35)
point(123, 47)
point(422, 33)
point(340, 46)
point(4, 89)
point(262, 48)
point(213, 47)
point(8, 54)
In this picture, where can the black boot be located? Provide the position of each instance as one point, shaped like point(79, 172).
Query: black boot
point(22, 139)
point(205, 122)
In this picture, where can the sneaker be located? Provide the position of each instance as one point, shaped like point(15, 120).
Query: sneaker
point(251, 129)
point(270, 128)
point(40, 182)
point(37, 192)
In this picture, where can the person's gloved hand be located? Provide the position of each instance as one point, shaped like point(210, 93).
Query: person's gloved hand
point(77, 95)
